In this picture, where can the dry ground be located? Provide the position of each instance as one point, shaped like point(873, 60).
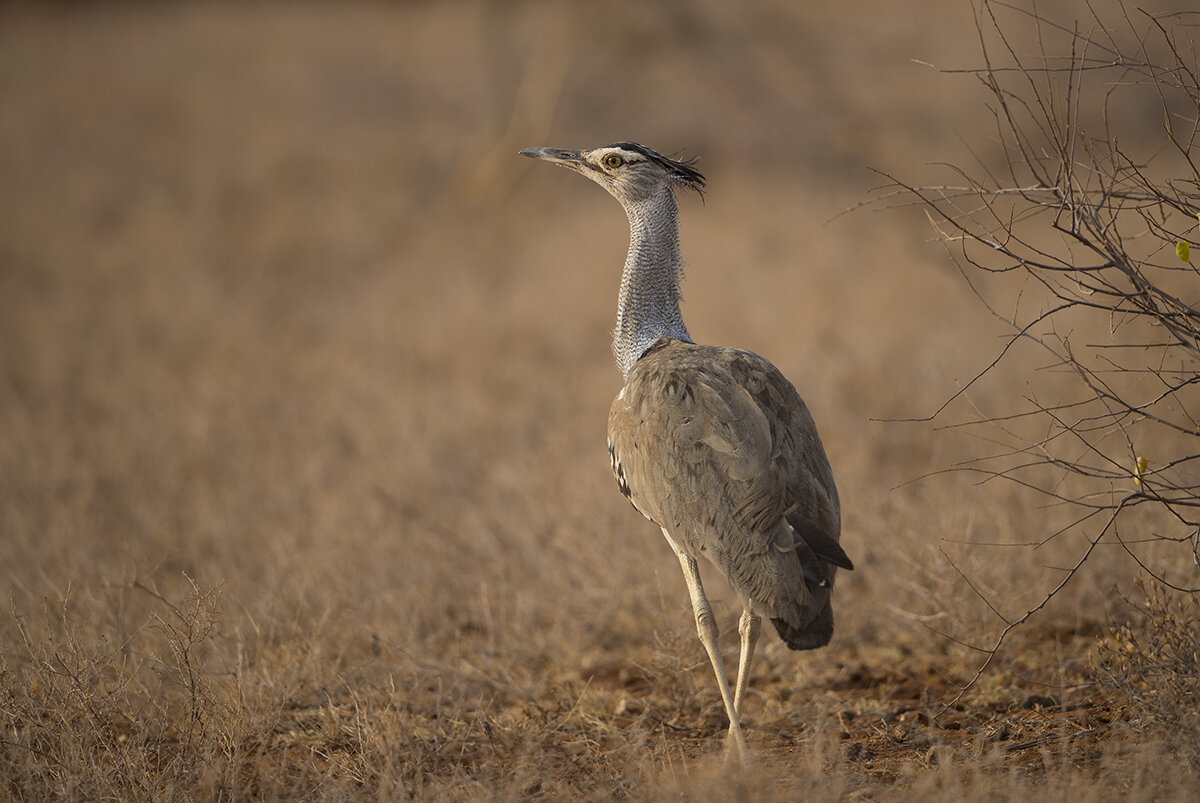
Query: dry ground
point(304, 375)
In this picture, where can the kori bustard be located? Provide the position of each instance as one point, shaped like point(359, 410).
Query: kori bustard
point(710, 443)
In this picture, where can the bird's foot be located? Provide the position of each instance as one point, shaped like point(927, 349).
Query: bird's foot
point(735, 746)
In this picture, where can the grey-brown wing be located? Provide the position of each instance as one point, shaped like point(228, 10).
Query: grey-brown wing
point(798, 458)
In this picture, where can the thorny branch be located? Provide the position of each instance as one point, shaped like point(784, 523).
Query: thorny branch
point(1092, 210)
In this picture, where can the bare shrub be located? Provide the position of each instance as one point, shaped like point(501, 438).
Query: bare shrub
point(118, 700)
point(1078, 237)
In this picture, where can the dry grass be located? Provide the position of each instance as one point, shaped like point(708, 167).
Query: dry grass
point(304, 373)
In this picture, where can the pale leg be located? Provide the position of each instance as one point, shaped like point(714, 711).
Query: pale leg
point(706, 627)
point(748, 627)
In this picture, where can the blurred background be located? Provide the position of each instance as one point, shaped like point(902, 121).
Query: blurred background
point(275, 273)
point(284, 314)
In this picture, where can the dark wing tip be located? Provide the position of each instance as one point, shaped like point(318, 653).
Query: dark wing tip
point(823, 545)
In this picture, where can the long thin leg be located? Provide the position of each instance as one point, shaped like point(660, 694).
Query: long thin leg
point(748, 627)
point(706, 627)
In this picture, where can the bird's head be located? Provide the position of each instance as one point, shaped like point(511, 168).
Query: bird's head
point(630, 172)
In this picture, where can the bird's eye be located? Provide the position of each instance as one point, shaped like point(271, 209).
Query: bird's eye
point(612, 160)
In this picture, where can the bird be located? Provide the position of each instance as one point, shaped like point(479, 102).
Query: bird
point(711, 443)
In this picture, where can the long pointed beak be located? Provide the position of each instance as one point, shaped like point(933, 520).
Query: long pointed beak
point(561, 156)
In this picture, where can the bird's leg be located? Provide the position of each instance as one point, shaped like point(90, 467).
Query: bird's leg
point(748, 627)
point(706, 626)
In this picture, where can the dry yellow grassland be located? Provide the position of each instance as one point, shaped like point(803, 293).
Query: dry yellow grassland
point(303, 384)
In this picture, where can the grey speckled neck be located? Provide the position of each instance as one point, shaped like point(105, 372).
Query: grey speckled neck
point(648, 307)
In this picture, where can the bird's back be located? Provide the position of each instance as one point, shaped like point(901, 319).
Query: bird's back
point(714, 445)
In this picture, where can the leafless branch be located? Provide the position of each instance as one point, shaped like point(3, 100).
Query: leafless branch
point(1092, 211)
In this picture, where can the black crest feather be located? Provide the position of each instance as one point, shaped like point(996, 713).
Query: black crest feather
point(680, 171)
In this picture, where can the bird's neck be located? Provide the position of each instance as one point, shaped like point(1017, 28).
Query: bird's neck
point(648, 307)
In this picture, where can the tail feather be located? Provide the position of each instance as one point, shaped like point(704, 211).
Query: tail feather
point(801, 566)
point(815, 633)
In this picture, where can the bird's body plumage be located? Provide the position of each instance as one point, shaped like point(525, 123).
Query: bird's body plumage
point(715, 446)
point(712, 444)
